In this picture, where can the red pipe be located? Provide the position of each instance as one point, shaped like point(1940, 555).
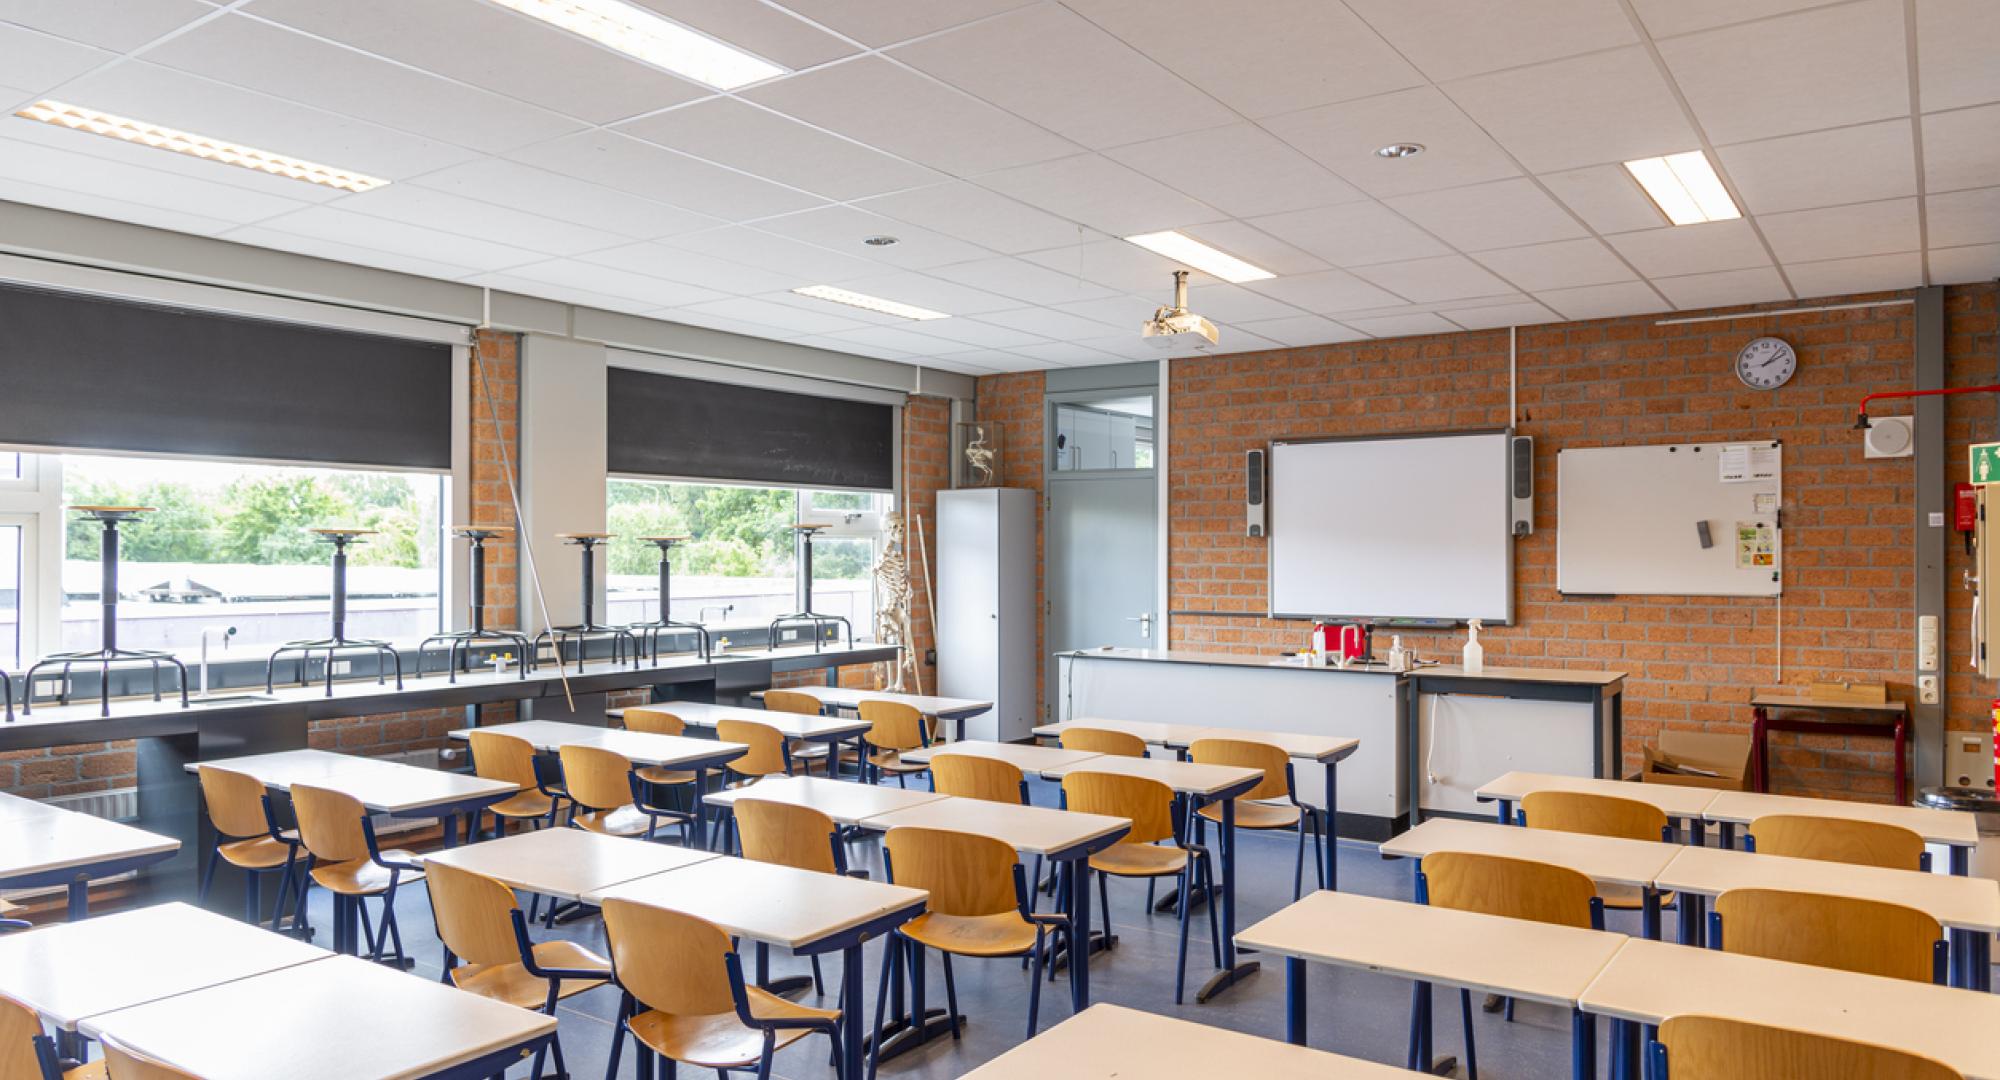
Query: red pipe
point(1861, 411)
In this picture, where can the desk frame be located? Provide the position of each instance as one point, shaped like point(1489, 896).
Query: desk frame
point(1607, 714)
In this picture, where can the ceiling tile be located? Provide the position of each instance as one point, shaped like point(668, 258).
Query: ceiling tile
point(1958, 218)
point(1256, 246)
point(1260, 59)
point(1727, 288)
point(893, 337)
point(1955, 43)
point(570, 294)
point(1506, 213)
point(1085, 85)
point(494, 49)
point(765, 30)
point(824, 318)
point(1839, 232)
point(1115, 265)
point(985, 335)
point(929, 291)
point(1066, 354)
point(1962, 149)
point(271, 59)
point(1604, 301)
point(358, 255)
point(907, 114)
point(755, 248)
point(1844, 64)
point(1692, 249)
point(1239, 169)
point(1449, 39)
point(118, 25)
point(563, 198)
point(329, 223)
point(1025, 280)
point(1606, 198)
point(1102, 194)
point(711, 321)
point(1114, 311)
point(974, 370)
point(34, 163)
point(1345, 137)
point(693, 268)
point(1329, 292)
point(1424, 281)
point(986, 218)
point(763, 143)
point(876, 24)
point(37, 62)
point(1497, 316)
point(1355, 234)
point(843, 228)
point(427, 207)
point(654, 172)
point(1823, 168)
point(1302, 330)
point(1403, 325)
point(1865, 274)
point(77, 202)
point(1050, 322)
point(1561, 265)
point(1956, 265)
point(1666, 18)
point(1538, 114)
point(1225, 303)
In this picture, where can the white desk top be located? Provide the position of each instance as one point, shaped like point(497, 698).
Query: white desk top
point(1604, 859)
point(1962, 903)
point(1515, 957)
point(780, 905)
point(638, 747)
point(1681, 802)
point(68, 971)
point(1149, 731)
point(1952, 827)
point(1109, 1042)
point(1295, 744)
point(845, 801)
point(1027, 757)
point(1184, 777)
point(1035, 830)
point(336, 1019)
point(14, 808)
point(388, 787)
point(567, 863)
point(66, 840)
point(792, 725)
point(928, 704)
point(1649, 981)
point(1563, 676)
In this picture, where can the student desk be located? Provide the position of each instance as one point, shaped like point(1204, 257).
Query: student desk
point(806, 912)
point(1683, 803)
point(957, 710)
point(1204, 783)
point(63, 847)
point(1606, 860)
point(14, 808)
point(1648, 981)
point(1109, 1042)
point(831, 730)
point(340, 1018)
point(1954, 829)
point(846, 803)
point(567, 864)
point(1515, 957)
point(1027, 757)
point(1968, 907)
point(383, 787)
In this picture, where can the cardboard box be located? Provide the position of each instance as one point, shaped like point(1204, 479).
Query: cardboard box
point(1699, 759)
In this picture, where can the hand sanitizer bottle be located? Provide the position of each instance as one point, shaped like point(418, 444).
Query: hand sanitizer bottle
point(1474, 661)
point(1399, 657)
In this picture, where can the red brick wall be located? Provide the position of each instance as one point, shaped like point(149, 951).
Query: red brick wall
point(69, 770)
point(926, 471)
point(1015, 402)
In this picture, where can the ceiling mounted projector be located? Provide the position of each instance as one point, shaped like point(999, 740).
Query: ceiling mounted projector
point(1176, 327)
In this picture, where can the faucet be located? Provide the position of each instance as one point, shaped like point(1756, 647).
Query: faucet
point(225, 632)
point(702, 616)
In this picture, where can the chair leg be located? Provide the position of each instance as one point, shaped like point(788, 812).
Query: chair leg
point(819, 987)
point(1214, 928)
point(208, 876)
point(889, 954)
point(950, 995)
point(1180, 957)
point(618, 1036)
point(1299, 863)
point(1319, 845)
point(770, 1051)
point(1035, 985)
point(1471, 1054)
point(1104, 905)
point(1035, 894)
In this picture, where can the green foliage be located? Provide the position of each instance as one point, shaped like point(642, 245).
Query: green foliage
point(182, 531)
point(736, 531)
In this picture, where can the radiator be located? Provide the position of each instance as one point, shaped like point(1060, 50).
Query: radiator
point(118, 804)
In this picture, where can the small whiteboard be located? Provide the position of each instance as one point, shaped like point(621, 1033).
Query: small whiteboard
point(1628, 519)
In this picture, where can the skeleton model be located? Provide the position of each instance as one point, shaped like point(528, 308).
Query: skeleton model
point(979, 455)
point(892, 609)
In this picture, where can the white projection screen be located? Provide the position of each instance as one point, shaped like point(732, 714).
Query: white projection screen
point(1392, 527)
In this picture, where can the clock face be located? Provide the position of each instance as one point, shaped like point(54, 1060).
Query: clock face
point(1766, 363)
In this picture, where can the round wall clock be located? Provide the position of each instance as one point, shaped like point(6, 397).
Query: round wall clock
point(1766, 363)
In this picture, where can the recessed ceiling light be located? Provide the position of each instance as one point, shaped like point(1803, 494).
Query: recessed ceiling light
point(879, 241)
point(1400, 150)
point(1186, 249)
point(201, 146)
point(1685, 188)
point(869, 303)
point(644, 36)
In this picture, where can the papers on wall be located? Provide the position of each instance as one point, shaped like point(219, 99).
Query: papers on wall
point(1746, 464)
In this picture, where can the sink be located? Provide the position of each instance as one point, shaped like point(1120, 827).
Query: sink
point(229, 699)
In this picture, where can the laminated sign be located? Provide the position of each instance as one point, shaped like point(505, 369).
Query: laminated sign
point(1986, 463)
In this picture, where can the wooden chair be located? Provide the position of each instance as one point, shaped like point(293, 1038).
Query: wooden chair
point(487, 950)
point(894, 729)
point(343, 857)
point(1495, 885)
point(686, 1000)
point(1272, 804)
point(606, 795)
point(660, 779)
point(768, 755)
point(246, 837)
point(1140, 853)
point(124, 1063)
point(1715, 1048)
point(497, 755)
point(787, 834)
point(27, 1052)
point(969, 776)
point(1601, 815)
point(1845, 932)
point(804, 751)
point(978, 907)
point(1091, 740)
point(1841, 840)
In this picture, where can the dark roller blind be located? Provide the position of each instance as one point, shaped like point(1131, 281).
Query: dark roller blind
point(666, 425)
point(88, 373)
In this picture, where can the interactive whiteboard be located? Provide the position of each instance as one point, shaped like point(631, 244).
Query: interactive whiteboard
point(1392, 527)
point(1692, 519)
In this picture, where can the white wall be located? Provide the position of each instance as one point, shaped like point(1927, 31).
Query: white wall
point(562, 470)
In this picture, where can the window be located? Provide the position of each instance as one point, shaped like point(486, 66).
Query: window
point(230, 545)
point(10, 466)
point(1111, 432)
point(12, 567)
point(738, 568)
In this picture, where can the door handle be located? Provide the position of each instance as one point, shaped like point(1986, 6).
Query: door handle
point(1145, 624)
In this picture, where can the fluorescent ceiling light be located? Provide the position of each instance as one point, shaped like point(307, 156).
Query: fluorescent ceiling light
point(1685, 188)
point(869, 303)
point(201, 146)
point(1192, 252)
point(646, 37)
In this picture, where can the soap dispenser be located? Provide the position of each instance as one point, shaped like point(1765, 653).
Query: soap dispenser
point(1474, 661)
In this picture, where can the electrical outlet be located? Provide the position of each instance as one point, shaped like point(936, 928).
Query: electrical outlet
point(1927, 645)
point(1927, 689)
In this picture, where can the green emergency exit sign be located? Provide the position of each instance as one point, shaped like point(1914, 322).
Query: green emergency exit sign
point(1986, 463)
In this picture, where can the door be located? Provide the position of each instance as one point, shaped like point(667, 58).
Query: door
point(1103, 562)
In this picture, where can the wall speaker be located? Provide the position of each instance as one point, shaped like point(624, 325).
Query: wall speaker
point(1253, 493)
point(1522, 484)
